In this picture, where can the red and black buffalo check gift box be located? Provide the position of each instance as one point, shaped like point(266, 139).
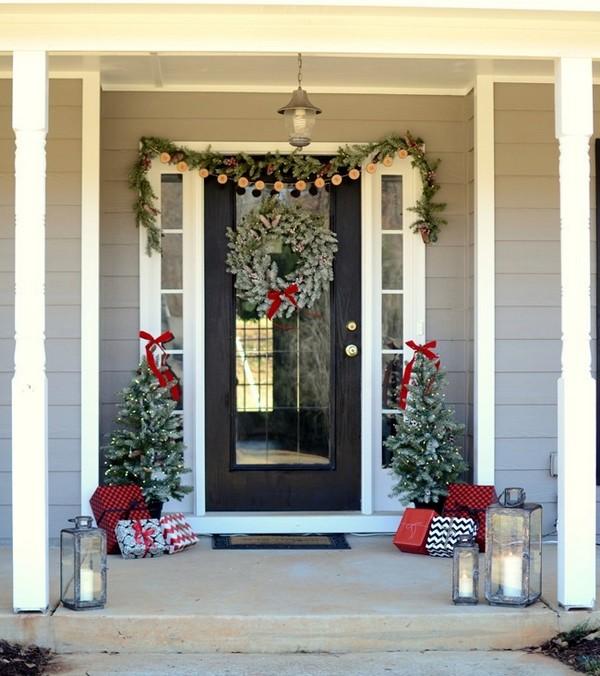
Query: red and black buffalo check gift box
point(411, 535)
point(470, 501)
point(111, 504)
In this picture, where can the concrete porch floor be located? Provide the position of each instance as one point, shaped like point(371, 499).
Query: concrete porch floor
point(371, 598)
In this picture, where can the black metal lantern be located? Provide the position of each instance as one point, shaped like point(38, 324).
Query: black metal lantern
point(83, 565)
point(465, 571)
point(299, 114)
point(513, 550)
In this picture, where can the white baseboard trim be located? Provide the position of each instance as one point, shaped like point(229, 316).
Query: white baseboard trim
point(294, 522)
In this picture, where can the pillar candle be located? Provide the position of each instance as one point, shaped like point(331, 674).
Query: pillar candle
point(465, 584)
point(86, 584)
point(512, 579)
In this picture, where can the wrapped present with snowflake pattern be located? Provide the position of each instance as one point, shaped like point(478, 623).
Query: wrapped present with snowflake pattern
point(140, 538)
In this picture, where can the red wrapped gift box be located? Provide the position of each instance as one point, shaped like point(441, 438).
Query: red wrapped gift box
point(177, 532)
point(471, 501)
point(411, 535)
point(111, 504)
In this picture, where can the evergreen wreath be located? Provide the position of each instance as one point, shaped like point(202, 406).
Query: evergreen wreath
point(296, 168)
point(282, 259)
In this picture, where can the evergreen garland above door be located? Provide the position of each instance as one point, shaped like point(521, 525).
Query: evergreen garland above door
point(296, 168)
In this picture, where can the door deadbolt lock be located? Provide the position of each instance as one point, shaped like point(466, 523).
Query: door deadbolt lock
point(351, 326)
point(351, 350)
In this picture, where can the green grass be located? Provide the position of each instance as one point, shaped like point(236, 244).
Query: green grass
point(579, 632)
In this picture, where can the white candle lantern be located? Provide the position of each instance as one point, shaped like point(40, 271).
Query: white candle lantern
point(83, 565)
point(465, 571)
point(513, 550)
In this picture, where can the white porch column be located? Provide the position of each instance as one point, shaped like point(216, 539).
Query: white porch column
point(90, 287)
point(29, 385)
point(484, 395)
point(576, 390)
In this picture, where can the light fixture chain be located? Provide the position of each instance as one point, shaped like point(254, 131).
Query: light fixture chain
point(300, 69)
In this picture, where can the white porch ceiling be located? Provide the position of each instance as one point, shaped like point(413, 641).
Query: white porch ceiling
point(277, 72)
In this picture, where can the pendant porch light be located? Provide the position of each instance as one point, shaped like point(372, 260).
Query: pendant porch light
point(299, 114)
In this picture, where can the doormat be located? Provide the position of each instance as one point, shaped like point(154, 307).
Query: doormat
point(315, 541)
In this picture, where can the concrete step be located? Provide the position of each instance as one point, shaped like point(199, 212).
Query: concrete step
point(371, 598)
point(68, 632)
point(373, 664)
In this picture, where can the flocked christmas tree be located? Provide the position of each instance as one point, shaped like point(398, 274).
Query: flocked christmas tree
point(147, 449)
point(425, 454)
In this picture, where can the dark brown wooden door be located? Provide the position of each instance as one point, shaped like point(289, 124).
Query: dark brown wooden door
point(283, 398)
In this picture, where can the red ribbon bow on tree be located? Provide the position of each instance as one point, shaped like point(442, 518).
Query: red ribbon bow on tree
point(161, 370)
point(427, 351)
point(276, 297)
point(143, 535)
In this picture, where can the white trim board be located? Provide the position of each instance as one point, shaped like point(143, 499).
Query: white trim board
point(294, 522)
point(513, 5)
point(285, 89)
point(90, 287)
point(484, 334)
point(414, 309)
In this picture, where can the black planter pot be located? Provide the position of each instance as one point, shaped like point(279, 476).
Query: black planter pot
point(155, 508)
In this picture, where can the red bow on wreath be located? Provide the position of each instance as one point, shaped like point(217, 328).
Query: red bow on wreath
point(161, 370)
point(276, 297)
point(143, 536)
point(427, 351)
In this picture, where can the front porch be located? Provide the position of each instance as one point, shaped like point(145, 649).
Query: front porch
point(370, 598)
point(489, 319)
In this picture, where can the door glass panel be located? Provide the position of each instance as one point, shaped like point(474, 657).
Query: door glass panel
point(391, 380)
point(391, 261)
point(172, 318)
point(388, 425)
point(391, 321)
point(171, 269)
point(176, 364)
point(171, 201)
point(283, 373)
point(392, 302)
point(391, 202)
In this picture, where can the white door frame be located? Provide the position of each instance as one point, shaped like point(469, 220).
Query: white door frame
point(373, 477)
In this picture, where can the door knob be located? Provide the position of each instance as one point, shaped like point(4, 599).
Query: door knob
point(351, 350)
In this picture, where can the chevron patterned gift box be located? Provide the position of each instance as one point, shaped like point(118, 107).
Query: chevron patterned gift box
point(444, 533)
point(177, 532)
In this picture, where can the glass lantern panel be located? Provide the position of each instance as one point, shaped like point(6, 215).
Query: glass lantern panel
point(509, 531)
point(535, 554)
point(67, 567)
point(91, 568)
point(466, 574)
point(300, 123)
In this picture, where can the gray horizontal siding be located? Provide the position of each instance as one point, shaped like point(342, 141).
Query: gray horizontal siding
point(63, 297)
point(126, 116)
point(527, 288)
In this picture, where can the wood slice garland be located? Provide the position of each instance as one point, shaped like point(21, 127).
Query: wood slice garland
point(295, 168)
